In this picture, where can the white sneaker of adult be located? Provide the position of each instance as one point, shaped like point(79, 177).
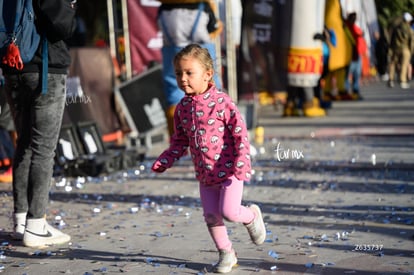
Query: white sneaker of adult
point(405, 85)
point(19, 224)
point(39, 233)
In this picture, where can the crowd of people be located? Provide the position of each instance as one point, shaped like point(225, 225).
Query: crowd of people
point(393, 48)
point(390, 58)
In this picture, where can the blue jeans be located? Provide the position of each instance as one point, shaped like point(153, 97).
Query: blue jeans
point(37, 118)
point(354, 71)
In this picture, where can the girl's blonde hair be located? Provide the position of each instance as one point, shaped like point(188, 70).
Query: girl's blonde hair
point(197, 52)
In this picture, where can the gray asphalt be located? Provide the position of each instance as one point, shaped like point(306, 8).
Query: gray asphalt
point(337, 194)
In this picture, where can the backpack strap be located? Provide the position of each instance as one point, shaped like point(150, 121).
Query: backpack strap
point(200, 9)
point(168, 36)
point(17, 18)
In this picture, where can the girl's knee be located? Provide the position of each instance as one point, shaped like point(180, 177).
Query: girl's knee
point(213, 219)
point(231, 216)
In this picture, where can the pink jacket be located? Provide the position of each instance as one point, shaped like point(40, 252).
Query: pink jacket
point(212, 126)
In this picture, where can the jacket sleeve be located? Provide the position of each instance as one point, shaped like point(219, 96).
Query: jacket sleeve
point(237, 127)
point(178, 145)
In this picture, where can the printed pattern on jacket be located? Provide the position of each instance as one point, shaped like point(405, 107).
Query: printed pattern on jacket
point(212, 126)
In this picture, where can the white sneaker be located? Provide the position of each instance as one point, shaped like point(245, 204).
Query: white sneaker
point(405, 85)
point(19, 223)
point(39, 233)
point(256, 228)
point(227, 260)
point(385, 77)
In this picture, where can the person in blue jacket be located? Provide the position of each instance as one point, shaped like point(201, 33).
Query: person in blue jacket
point(37, 117)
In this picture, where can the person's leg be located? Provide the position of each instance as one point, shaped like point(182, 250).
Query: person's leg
point(291, 105)
point(356, 76)
point(348, 74)
point(210, 201)
point(311, 104)
point(38, 125)
point(230, 202)
point(233, 211)
point(405, 62)
point(47, 113)
point(345, 92)
point(19, 99)
point(334, 84)
point(391, 70)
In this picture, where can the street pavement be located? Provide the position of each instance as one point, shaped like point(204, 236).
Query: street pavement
point(337, 195)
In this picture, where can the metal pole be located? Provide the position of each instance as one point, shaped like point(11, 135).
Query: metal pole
point(128, 65)
point(217, 44)
point(230, 54)
point(112, 42)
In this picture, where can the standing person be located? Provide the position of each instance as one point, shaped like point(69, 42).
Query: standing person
point(381, 54)
point(37, 117)
point(359, 49)
point(401, 46)
point(207, 121)
point(183, 22)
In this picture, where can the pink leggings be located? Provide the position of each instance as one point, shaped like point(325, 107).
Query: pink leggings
point(223, 201)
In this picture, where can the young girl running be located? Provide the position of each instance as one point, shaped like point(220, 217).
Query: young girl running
point(207, 121)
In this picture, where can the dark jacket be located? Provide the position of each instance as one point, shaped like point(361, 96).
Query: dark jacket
point(402, 37)
point(58, 51)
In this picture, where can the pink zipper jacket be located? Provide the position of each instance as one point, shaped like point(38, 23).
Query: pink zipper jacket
point(212, 126)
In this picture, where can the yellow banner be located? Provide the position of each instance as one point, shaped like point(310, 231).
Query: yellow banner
point(308, 61)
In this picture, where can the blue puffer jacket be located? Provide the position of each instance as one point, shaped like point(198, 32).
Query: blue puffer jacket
point(59, 59)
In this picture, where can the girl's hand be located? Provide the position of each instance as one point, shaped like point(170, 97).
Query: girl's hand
point(158, 167)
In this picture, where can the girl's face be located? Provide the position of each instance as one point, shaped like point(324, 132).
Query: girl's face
point(191, 76)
